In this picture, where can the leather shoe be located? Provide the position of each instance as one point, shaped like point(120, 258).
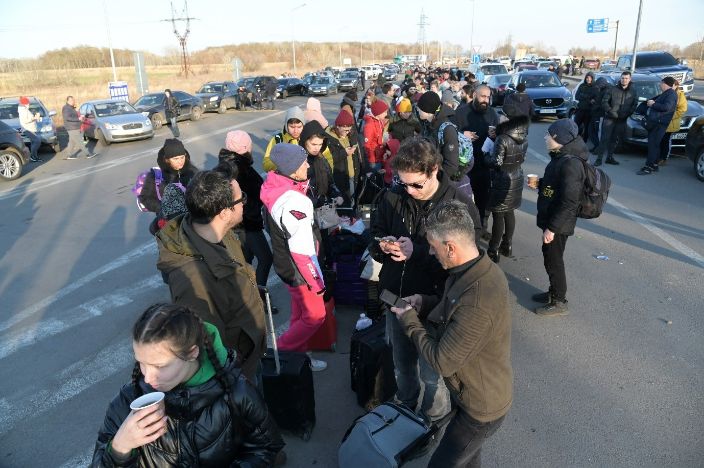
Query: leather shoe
point(493, 255)
point(553, 308)
point(543, 297)
point(505, 249)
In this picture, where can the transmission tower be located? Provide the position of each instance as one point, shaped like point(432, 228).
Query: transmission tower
point(421, 30)
point(182, 37)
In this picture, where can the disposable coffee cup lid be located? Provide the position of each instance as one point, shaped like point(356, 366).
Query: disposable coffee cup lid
point(145, 401)
point(532, 175)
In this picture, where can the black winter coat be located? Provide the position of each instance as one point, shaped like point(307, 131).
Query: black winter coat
point(479, 122)
point(340, 171)
point(148, 197)
point(619, 103)
point(171, 107)
point(200, 427)
point(600, 87)
point(450, 148)
point(505, 165)
point(560, 189)
point(251, 183)
point(587, 94)
point(322, 186)
point(400, 215)
point(518, 104)
point(401, 129)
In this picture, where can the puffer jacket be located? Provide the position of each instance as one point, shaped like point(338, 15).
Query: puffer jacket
point(618, 102)
point(344, 167)
point(148, 197)
point(600, 87)
point(560, 189)
point(373, 139)
point(504, 162)
point(679, 112)
point(200, 428)
point(321, 185)
point(587, 94)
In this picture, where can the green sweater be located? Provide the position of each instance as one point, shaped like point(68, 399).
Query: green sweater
point(207, 370)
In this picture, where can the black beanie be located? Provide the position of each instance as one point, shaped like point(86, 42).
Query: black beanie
point(669, 81)
point(429, 102)
point(173, 147)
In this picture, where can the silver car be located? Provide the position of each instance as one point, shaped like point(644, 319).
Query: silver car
point(323, 85)
point(111, 121)
point(46, 129)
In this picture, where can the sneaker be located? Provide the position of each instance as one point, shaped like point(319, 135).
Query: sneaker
point(645, 170)
point(91, 156)
point(553, 308)
point(543, 298)
point(33, 159)
point(316, 365)
point(654, 168)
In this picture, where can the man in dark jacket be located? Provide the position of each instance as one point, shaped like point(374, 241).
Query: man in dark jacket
point(407, 265)
point(586, 96)
point(270, 91)
point(519, 103)
point(72, 124)
point(470, 341)
point(206, 269)
point(172, 111)
point(619, 102)
point(661, 110)
point(559, 193)
point(479, 118)
point(596, 113)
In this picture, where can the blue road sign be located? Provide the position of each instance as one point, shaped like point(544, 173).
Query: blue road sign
point(598, 25)
point(476, 58)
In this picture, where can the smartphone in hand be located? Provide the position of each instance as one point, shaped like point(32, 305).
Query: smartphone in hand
point(387, 297)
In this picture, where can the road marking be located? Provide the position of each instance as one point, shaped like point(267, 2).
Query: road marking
point(93, 308)
point(137, 253)
point(90, 371)
point(75, 174)
point(667, 238)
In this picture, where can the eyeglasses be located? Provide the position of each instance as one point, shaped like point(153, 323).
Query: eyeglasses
point(414, 185)
point(242, 200)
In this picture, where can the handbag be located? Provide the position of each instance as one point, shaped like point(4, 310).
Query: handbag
point(370, 267)
point(326, 216)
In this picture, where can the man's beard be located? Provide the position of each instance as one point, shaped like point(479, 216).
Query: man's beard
point(481, 106)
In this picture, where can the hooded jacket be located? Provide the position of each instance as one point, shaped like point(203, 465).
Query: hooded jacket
point(344, 167)
point(560, 189)
point(373, 139)
point(294, 112)
point(600, 87)
point(450, 148)
point(200, 428)
point(251, 183)
point(618, 102)
point(505, 164)
point(586, 94)
point(171, 107)
point(321, 186)
point(148, 196)
point(471, 347)
point(294, 239)
point(216, 282)
point(400, 215)
point(518, 104)
point(680, 110)
point(478, 121)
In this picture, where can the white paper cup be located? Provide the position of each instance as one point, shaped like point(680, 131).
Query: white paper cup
point(533, 180)
point(145, 401)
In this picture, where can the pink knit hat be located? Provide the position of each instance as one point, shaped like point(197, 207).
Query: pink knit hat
point(238, 142)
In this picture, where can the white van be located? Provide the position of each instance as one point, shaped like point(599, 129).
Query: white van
point(371, 72)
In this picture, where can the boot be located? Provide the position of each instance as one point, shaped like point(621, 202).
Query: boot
point(493, 255)
point(505, 249)
point(611, 160)
point(597, 163)
point(553, 308)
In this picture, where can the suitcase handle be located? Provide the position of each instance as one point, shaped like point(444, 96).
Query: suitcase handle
point(272, 330)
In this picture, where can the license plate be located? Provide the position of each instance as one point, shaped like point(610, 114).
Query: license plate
point(679, 136)
point(548, 111)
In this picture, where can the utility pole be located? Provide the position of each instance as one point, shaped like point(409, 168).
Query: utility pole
point(112, 55)
point(471, 34)
point(182, 37)
point(635, 42)
point(421, 30)
point(293, 36)
point(615, 40)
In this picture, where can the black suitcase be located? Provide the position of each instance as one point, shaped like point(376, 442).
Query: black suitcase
point(288, 385)
point(372, 366)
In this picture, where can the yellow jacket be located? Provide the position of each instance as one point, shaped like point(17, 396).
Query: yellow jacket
point(267, 163)
point(679, 112)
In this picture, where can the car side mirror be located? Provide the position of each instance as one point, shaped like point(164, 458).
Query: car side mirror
point(52, 113)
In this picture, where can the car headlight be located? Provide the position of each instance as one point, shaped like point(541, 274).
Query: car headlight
point(146, 114)
point(110, 126)
point(568, 97)
point(46, 128)
point(147, 123)
point(214, 98)
point(689, 76)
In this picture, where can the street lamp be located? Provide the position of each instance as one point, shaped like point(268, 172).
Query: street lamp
point(293, 36)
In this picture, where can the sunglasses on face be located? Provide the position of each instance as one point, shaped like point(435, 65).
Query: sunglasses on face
point(414, 185)
point(242, 200)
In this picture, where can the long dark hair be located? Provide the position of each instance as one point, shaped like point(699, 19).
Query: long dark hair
point(182, 329)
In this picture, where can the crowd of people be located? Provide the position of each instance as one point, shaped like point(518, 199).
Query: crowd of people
point(446, 161)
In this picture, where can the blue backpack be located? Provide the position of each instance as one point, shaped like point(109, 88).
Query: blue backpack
point(466, 150)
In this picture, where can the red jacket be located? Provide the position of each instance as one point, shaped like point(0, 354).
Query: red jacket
point(373, 139)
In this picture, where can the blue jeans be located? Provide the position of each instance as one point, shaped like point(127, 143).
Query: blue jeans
point(654, 139)
point(461, 446)
point(174, 127)
point(35, 143)
point(410, 369)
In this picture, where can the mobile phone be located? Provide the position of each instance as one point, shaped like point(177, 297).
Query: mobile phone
point(392, 299)
point(381, 239)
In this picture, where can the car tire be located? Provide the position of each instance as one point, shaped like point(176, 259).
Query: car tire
point(101, 137)
point(196, 113)
point(699, 166)
point(10, 164)
point(157, 121)
point(222, 108)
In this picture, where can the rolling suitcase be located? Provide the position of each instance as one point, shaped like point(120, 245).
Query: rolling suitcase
point(288, 384)
point(372, 366)
point(325, 339)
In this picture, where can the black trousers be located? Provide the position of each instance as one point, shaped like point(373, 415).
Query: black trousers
point(480, 179)
point(555, 266)
point(502, 228)
point(583, 118)
point(665, 146)
point(611, 131)
point(461, 446)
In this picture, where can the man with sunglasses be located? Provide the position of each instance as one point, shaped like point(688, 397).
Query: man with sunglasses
point(202, 261)
point(408, 267)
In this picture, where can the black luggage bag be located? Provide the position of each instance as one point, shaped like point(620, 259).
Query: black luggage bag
point(372, 366)
point(288, 385)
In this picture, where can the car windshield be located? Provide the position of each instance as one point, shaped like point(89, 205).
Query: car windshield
point(547, 64)
point(106, 109)
point(320, 80)
point(655, 60)
point(493, 69)
point(646, 89)
point(211, 88)
point(283, 82)
point(150, 100)
point(541, 81)
point(8, 110)
point(349, 75)
point(499, 79)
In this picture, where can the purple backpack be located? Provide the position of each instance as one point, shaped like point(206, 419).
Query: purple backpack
point(139, 184)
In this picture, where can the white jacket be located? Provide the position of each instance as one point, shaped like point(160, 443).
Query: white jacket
point(27, 120)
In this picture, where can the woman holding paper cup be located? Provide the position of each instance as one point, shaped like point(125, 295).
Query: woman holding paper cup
point(204, 411)
point(506, 176)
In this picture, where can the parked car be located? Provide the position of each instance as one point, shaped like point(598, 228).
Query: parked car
point(662, 64)
point(524, 66)
point(550, 95)
point(389, 74)
point(484, 71)
point(218, 96)
point(546, 64)
point(592, 64)
point(289, 86)
point(46, 129)
point(14, 154)
point(153, 106)
point(350, 80)
point(372, 71)
point(323, 85)
point(695, 146)
point(498, 85)
point(110, 121)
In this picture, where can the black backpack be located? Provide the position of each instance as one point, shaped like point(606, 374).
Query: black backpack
point(597, 184)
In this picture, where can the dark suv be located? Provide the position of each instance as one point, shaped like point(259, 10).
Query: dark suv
point(550, 95)
point(695, 147)
point(218, 96)
point(13, 153)
point(661, 64)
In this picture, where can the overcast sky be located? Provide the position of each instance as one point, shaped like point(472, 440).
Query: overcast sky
point(31, 27)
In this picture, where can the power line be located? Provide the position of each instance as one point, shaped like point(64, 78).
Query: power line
point(182, 36)
point(421, 30)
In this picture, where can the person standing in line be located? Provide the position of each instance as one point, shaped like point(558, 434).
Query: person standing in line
point(619, 102)
point(596, 113)
point(28, 122)
point(586, 96)
point(270, 90)
point(72, 124)
point(519, 104)
point(674, 124)
point(660, 113)
point(293, 126)
point(375, 134)
point(465, 335)
point(172, 111)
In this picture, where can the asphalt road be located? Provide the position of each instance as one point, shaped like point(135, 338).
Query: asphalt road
point(616, 383)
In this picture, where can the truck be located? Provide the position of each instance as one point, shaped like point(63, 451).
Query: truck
point(660, 63)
